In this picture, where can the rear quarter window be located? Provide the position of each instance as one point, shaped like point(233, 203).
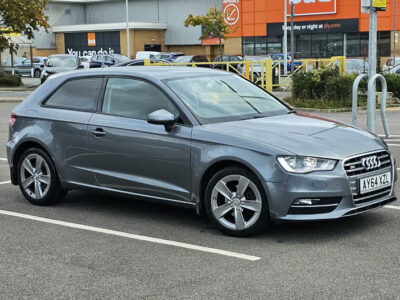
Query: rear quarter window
point(76, 94)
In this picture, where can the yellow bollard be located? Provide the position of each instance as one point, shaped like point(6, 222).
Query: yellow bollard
point(147, 61)
point(246, 68)
point(268, 74)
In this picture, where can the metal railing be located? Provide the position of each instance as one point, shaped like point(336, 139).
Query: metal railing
point(266, 73)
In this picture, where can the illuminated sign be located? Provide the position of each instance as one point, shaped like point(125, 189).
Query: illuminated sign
point(313, 7)
point(91, 38)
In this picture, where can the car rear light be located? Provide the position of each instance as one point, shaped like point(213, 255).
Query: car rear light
point(13, 119)
point(90, 61)
point(45, 64)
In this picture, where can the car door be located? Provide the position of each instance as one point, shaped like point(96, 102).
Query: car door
point(131, 155)
point(66, 113)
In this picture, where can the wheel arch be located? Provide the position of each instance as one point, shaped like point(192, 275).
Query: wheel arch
point(216, 166)
point(21, 148)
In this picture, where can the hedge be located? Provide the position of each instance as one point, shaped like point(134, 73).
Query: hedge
point(10, 80)
point(326, 87)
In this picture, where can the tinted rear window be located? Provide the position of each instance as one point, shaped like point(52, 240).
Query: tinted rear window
point(77, 94)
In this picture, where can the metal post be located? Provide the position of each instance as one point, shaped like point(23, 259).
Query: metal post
point(31, 55)
point(292, 37)
point(356, 83)
point(285, 38)
point(371, 104)
point(128, 42)
point(372, 94)
point(394, 32)
point(12, 62)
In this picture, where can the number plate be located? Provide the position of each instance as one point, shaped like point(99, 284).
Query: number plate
point(376, 182)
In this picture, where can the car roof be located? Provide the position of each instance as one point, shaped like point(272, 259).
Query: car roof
point(62, 55)
point(156, 72)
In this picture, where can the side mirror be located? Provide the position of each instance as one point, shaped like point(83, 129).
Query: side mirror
point(162, 117)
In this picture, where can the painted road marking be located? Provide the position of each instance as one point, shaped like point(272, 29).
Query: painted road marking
point(392, 135)
point(392, 140)
point(4, 159)
point(5, 182)
point(396, 145)
point(132, 236)
point(393, 207)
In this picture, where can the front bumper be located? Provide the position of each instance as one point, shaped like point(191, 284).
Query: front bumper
point(332, 192)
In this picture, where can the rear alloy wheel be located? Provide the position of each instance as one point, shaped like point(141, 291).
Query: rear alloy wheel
point(236, 202)
point(38, 179)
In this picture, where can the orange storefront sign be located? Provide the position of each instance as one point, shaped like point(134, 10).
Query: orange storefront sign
point(313, 7)
point(91, 38)
point(251, 17)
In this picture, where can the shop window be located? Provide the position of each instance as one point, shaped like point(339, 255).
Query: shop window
point(261, 45)
point(353, 44)
point(319, 43)
point(364, 37)
point(384, 43)
point(335, 44)
point(274, 44)
point(303, 45)
point(248, 45)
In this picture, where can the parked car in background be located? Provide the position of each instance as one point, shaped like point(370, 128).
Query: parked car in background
point(107, 60)
point(39, 62)
point(85, 61)
point(139, 62)
point(254, 67)
point(280, 57)
point(198, 138)
point(390, 64)
point(171, 57)
point(395, 70)
point(355, 65)
point(146, 54)
point(193, 58)
point(234, 59)
point(22, 65)
point(59, 63)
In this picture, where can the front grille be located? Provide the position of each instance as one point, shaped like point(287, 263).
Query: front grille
point(353, 166)
point(355, 171)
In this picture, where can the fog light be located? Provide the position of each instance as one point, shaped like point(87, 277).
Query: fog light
point(306, 201)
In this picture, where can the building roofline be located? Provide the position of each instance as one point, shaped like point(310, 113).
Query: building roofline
point(108, 27)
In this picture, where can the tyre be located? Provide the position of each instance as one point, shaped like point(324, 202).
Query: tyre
point(37, 73)
point(38, 178)
point(235, 202)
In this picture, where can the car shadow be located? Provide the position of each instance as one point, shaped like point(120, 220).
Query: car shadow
point(159, 215)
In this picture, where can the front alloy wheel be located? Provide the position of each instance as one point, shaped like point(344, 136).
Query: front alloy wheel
point(237, 204)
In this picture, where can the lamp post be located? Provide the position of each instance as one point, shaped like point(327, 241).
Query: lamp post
point(128, 43)
point(292, 36)
point(394, 29)
point(285, 38)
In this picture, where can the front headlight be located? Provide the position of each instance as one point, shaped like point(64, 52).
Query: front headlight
point(305, 164)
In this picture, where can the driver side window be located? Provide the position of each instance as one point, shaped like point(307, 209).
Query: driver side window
point(134, 98)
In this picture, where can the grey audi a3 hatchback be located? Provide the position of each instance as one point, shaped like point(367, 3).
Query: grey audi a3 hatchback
point(194, 137)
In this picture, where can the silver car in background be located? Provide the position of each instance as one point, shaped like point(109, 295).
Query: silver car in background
point(198, 138)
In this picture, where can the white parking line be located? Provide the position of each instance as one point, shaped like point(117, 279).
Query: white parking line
point(392, 135)
point(4, 159)
point(393, 207)
point(396, 145)
point(392, 140)
point(132, 236)
point(5, 182)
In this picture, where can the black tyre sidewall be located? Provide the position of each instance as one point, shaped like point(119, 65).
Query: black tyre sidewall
point(55, 192)
point(263, 221)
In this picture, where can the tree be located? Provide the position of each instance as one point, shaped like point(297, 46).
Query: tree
point(213, 25)
point(21, 16)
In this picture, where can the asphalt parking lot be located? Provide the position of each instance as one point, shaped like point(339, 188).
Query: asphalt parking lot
point(138, 250)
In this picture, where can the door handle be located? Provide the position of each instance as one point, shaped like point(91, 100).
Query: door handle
point(99, 132)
